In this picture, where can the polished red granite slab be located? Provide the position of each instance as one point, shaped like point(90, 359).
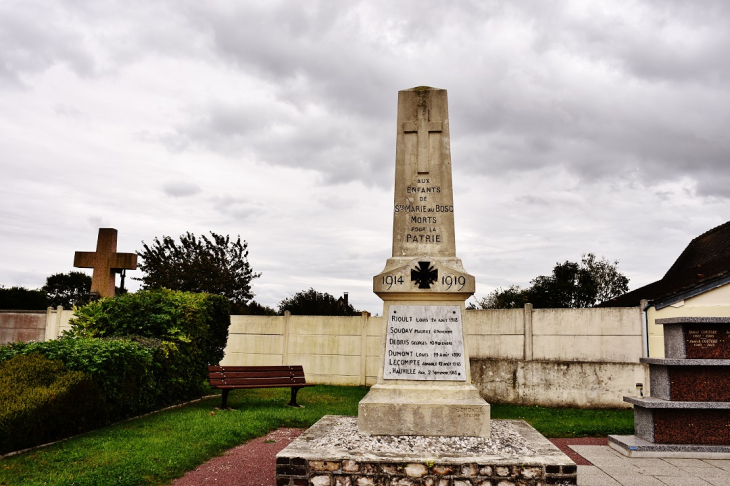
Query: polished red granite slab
point(707, 341)
point(684, 426)
point(699, 383)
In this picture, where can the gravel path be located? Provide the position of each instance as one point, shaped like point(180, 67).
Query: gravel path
point(254, 463)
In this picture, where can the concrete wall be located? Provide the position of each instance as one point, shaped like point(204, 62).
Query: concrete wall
point(713, 303)
point(551, 357)
point(333, 350)
point(16, 326)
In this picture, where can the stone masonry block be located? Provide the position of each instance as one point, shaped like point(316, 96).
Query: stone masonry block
point(531, 472)
point(462, 482)
point(342, 480)
point(442, 470)
point(350, 466)
point(324, 465)
point(502, 471)
point(389, 469)
point(320, 480)
point(404, 482)
point(468, 470)
point(416, 470)
point(486, 471)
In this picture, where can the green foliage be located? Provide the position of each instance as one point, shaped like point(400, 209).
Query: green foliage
point(158, 448)
point(20, 298)
point(68, 289)
point(216, 266)
point(253, 308)
point(571, 285)
point(130, 373)
point(195, 326)
point(313, 303)
point(41, 400)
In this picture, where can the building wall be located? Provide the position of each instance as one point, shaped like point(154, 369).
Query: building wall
point(713, 303)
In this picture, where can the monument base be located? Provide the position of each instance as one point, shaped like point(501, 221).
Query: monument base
point(633, 446)
point(430, 410)
point(333, 453)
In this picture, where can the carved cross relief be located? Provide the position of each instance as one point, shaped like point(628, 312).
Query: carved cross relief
point(422, 127)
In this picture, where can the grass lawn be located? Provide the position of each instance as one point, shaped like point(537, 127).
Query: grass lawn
point(158, 448)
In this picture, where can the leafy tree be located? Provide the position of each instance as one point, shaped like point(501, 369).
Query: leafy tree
point(571, 284)
point(20, 298)
point(253, 308)
point(216, 265)
point(313, 303)
point(68, 289)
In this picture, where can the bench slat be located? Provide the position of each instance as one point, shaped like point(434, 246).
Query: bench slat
point(255, 374)
point(255, 368)
point(255, 381)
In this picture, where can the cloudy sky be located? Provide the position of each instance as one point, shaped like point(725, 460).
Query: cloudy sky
point(576, 127)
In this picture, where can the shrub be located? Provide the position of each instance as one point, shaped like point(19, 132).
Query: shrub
point(41, 400)
point(192, 327)
point(129, 373)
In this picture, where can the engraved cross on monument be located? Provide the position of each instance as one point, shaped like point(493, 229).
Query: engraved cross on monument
point(105, 261)
point(423, 126)
point(424, 382)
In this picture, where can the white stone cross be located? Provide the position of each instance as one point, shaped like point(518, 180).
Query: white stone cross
point(423, 127)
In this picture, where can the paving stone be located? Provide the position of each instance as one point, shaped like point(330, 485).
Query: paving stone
point(687, 462)
point(682, 481)
point(638, 480)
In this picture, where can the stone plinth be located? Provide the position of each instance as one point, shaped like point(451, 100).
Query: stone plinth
point(424, 410)
point(333, 453)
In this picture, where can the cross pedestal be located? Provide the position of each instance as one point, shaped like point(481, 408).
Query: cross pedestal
point(105, 261)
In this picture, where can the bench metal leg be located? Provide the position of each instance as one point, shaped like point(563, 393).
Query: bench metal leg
point(224, 405)
point(293, 401)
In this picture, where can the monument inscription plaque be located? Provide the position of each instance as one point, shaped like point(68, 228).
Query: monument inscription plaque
point(424, 343)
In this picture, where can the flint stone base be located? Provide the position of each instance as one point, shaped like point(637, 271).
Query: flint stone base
point(424, 410)
point(323, 457)
point(633, 446)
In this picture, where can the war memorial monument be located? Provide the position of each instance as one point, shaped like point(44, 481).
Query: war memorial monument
point(423, 422)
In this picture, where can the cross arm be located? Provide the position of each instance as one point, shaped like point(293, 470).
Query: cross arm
point(84, 259)
point(119, 261)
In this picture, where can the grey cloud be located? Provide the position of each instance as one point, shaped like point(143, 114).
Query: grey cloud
point(33, 37)
point(181, 189)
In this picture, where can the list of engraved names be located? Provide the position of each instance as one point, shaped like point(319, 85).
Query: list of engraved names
point(424, 343)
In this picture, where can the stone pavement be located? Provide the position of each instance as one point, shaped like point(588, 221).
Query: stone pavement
point(613, 469)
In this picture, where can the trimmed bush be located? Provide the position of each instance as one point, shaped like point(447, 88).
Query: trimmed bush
point(130, 374)
point(41, 400)
point(193, 328)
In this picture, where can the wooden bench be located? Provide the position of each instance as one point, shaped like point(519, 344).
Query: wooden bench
point(229, 378)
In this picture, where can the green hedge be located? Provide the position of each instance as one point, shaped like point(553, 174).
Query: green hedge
point(130, 374)
point(123, 356)
point(194, 325)
point(41, 400)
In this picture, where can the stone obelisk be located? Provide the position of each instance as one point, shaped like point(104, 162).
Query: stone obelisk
point(424, 383)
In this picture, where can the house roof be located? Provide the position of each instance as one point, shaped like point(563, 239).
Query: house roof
point(703, 265)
